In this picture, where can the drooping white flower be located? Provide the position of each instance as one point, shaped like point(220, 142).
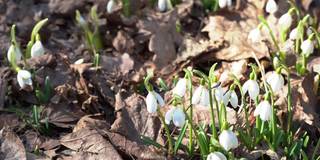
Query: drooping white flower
point(37, 49)
point(111, 6)
point(220, 95)
point(271, 7)
point(181, 87)
point(225, 3)
point(14, 52)
point(263, 110)
point(201, 96)
point(24, 78)
point(276, 81)
point(216, 156)
point(285, 21)
point(162, 5)
point(153, 100)
point(176, 115)
point(228, 140)
point(307, 47)
point(231, 97)
point(252, 87)
point(255, 35)
point(294, 34)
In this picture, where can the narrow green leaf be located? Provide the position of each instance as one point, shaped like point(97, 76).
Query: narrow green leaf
point(180, 137)
point(149, 141)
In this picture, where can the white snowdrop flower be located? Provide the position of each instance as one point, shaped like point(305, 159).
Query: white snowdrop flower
point(307, 47)
point(37, 49)
point(276, 81)
point(225, 3)
point(219, 94)
point(231, 97)
point(153, 100)
point(79, 61)
point(111, 6)
point(24, 78)
point(228, 140)
point(176, 115)
point(252, 87)
point(162, 5)
point(271, 7)
point(285, 21)
point(81, 20)
point(309, 31)
point(181, 87)
point(263, 110)
point(216, 156)
point(254, 35)
point(14, 52)
point(294, 34)
point(201, 96)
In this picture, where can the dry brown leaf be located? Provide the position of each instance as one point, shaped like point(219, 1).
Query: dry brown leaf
point(11, 147)
point(123, 43)
point(117, 65)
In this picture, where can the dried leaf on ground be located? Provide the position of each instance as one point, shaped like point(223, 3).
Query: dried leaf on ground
point(123, 43)
point(11, 146)
point(91, 143)
point(117, 65)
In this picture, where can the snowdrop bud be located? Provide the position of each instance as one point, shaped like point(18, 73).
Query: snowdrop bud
point(294, 34)
point(276, 81)
point(176, 115)
point(14, 52)
point(225, 3)
point(181, 87)
point(255, 35)
point(285, 21)
point(216, 156)
point(162, 5)
point(111, 6)
point(228, 140)
point(271, 7)
point(276, 62)
point(153, 100)
point(252, 87)
point(24, 78)
point(307, 47)
point(201, 96)
point(263, 110)
point(37, 49)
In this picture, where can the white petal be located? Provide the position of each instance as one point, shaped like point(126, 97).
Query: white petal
point(180, 88)
point(253, 89)
point(271, 7)
point(276, 81)
point(222, 3)
point(162, 5)
point(245, 86)
point(151, 102)
point(159, 99)
point(37, 49)
point(110, 6)
point(234, 99)
point(168, 116)
point(205, 99)
point(197, 95)
point(24, 78)
point(285, 21)
point(228, 140)
point(216, 156)
point(219, 93)
point(178, 117)
point(264, 110)
point(14, 52)
point(307, 47)
point(294, 34)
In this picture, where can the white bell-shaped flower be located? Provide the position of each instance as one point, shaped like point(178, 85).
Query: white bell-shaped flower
point(228, 140)
point(162, 5)
point(255, 35)
point(294, 34)
point(111, 6)
point(271, 7)
point(24, 78)
point(153, 100)
point(201, 96)
point(285, 21)
point(216, 156)
point(263, 110)
point(252, 87)
point(181, 87)
point(176, 115)
point(276, 81)
point(37, 49)
point(225, 3)
point(219, 95)
point(14, 52)
point(231, 97)
point(307, 47)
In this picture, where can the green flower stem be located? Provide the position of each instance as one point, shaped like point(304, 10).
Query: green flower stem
point(189, 78)
point(170, 149)
point(265, 23)
point(214, 131)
